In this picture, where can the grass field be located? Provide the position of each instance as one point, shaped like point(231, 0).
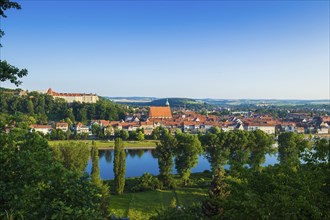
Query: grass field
point(143, 205)
point(110, 144)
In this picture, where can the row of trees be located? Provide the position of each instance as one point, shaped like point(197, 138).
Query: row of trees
point(236, 148)
point(109, 132)
point(296, 188)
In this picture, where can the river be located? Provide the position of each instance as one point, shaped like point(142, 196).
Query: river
point(141, 161)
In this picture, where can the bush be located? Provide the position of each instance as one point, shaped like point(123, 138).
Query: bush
point(147, 182)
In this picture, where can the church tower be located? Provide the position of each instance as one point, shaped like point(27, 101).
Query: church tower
point(167, 103)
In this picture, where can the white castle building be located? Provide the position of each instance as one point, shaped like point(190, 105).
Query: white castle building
point(74, 97)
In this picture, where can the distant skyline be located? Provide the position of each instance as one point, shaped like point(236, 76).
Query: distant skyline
point(194, 49)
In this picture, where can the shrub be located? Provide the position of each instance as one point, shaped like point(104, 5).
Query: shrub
point(147, 182)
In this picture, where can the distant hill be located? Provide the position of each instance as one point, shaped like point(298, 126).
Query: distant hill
point(131, 99)
point(174, 102)
point(227, 102)
point(188, 102)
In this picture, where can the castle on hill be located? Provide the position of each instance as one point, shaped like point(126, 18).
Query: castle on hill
point(74, 97)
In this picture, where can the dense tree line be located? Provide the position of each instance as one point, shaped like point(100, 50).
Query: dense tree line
point(296, 188)
point(44, 108)
point(40, 182)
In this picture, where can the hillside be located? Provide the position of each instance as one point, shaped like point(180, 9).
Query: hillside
point(174, 103)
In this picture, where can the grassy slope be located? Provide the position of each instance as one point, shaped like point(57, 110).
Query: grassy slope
point(143, 205)
point(110, 144)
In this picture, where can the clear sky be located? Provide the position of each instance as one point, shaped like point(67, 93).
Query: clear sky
point(197, 49)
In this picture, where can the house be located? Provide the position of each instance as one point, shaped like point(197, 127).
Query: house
point(62, 126)
point(323, 129)
point(101, 123)
point(267, 128)
point(81, 128)
point(45, 129)
point(147, 126)
point(300, 130)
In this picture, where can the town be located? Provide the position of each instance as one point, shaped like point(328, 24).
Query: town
point(147, 119)
point(164, 110)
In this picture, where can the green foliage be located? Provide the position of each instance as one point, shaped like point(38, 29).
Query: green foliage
point(290, 146)
point(179, 213)
point(95, 173)
point(34, 185)
point(259, 144)
point(140, 136)
point(158, 132)
point(95, 129)
point(278, 193)
point(186, 154)
point(238, 143)
point(45, 107)
point(214, 130)
point(164, 152)
point(122, 134)
point(73, 155)
point(147, 182)
point(58, 134)
point(7, 71)
point(95, 178)
point(119, 167)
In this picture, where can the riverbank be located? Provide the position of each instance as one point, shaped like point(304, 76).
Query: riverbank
point(105, 144)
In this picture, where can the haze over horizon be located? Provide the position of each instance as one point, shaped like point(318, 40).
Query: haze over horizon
point(220, 50)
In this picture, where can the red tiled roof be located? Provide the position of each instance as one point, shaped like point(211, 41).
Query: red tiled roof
point(160, 112)
point(61, 124)
point(41, 126)
point(53, 93)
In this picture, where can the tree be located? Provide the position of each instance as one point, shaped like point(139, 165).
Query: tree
point(95, 173)
point(95, 178)
point(35, 185)
point(30, 107)
point(124, 134)
point(119, 167)
point(186, 154)
point(3, 104)
point(132, 135)
point(7, 71)
point(214, 130)
point(290, 145)
point(73, 155)
point(260, 144)
point(82, 115)
point(217, 152)
point(238, 143)
point(164, 152)
point(95, 129)
point(69, 114)
point(140, 136)
point(157, 132)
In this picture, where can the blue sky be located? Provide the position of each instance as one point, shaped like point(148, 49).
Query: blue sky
point(198, 49)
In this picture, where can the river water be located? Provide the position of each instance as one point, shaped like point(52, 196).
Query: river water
point(141, 161)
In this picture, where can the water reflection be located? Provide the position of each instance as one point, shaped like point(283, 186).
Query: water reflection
point(144, 160)
point(134, 153)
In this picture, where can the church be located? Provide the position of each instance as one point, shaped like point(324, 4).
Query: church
point(160, 111)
